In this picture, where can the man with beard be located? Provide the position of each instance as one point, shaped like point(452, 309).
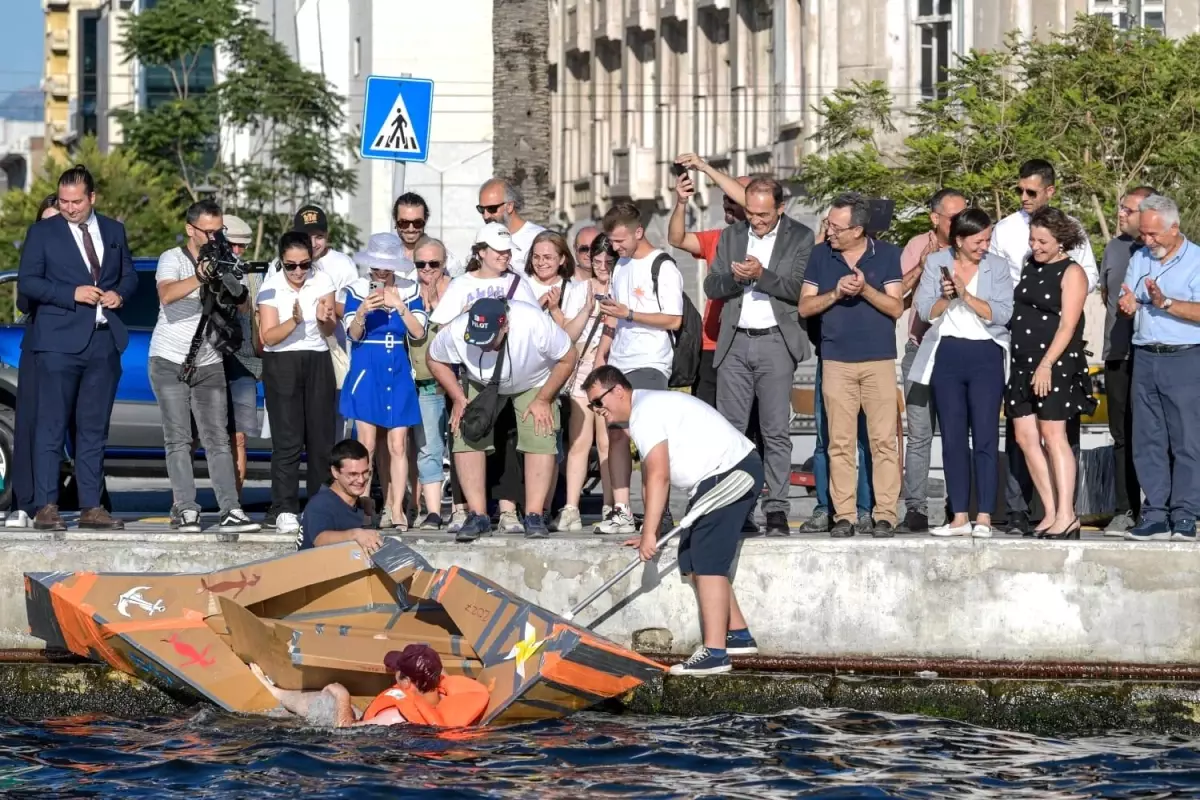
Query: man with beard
point(410, 215)
point(500, 201)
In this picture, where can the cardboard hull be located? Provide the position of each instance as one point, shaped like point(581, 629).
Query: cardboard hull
point(329, 615)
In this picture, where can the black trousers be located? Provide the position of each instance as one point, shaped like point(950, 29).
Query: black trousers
point(301, 395)
point(505, 466)
point(1118, 377)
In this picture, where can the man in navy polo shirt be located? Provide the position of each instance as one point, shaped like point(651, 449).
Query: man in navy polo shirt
point(853, 283)
point(335, 514)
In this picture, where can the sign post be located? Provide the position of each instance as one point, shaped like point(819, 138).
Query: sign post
point(397, 116)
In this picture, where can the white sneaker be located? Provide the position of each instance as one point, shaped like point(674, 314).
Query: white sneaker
point(952, 530)
point(510, 522)
point(189, 521)
point(569, 520)
point(18, 519)
point(979, 531)
point(621, 522)
point(287, 523)
point(458, 518)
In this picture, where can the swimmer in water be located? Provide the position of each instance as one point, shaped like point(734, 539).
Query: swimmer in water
point(422, 695)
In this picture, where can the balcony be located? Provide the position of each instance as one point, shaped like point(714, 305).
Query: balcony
point(60, 41)
point(673, 9)
point(60, 133)
point(633, 173)
point(608, 20)
point(642, 14)
point(56, 5)
point(56, 86)
point(577, 39)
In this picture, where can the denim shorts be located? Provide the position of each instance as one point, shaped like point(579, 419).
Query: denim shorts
point(243, 406)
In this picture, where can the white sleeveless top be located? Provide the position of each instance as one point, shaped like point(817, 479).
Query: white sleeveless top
point(960, 322)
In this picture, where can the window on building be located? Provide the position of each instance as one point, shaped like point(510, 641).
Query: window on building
point(89, 84)
point(357, 56)
point(935, 22)
point(1117, 12)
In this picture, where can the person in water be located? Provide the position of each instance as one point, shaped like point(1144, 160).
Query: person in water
point(423, 695)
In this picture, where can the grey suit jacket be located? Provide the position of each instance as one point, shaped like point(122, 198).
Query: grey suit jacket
point(781, 279)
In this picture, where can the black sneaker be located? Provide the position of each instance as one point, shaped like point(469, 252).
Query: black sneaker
point(750, 527)
point(432, 522)
point(865, 525)
point(189, 521)
point(236, 521)
point(819, 522)
point(883, 530)
point(777, 524)
point(476, 525)
point(269, 519)
point(842, 529)
point(1018, 524)
point(535, 527)
point(914, 522)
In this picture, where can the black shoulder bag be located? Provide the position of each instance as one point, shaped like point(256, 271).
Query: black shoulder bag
point(480, 415)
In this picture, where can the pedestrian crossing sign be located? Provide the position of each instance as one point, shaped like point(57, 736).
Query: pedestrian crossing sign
point(396, 118)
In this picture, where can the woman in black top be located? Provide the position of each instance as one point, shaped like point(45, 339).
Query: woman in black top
point(1048, 382)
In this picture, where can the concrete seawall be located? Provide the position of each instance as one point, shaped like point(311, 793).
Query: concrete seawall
point(1019, 600)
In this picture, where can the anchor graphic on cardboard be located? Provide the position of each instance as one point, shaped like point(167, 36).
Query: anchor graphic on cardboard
point(134, 598)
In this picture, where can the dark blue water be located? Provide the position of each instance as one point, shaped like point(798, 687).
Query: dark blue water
point(833, 754)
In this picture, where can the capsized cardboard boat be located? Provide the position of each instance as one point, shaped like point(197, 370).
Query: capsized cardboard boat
point(329, 615)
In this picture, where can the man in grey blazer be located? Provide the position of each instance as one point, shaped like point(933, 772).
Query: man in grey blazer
point(758, 272)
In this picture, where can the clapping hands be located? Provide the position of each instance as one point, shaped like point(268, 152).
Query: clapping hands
point(851, 285)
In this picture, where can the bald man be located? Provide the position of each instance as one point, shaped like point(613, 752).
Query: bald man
point(501, 201)
point(583, 252)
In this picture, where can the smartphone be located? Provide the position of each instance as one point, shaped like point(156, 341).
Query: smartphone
point(599, 298)
point(946, 277)
point(679, 170)
point(377, 286)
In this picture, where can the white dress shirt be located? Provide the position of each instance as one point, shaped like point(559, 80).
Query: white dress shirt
point(756, 305)
point(1010, 241)
point(93, 226)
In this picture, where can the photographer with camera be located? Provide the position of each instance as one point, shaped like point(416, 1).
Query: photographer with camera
point(196, 327)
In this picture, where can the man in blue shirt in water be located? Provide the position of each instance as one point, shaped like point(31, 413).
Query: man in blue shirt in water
point(336, 514)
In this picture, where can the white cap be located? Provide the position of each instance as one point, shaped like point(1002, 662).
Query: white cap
point(236, 230)
point(495, 236)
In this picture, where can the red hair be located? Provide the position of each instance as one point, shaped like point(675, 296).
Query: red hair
point(420, 663)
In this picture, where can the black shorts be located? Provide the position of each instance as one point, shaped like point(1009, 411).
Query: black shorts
point(710, 546)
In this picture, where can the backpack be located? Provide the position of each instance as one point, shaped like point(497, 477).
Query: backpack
point(685, 366)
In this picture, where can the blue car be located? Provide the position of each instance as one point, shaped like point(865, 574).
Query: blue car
point(135, 440)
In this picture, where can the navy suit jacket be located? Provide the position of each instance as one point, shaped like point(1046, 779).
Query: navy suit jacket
point(52, 267)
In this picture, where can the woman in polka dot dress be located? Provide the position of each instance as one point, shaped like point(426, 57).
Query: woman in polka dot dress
point(1048, 382)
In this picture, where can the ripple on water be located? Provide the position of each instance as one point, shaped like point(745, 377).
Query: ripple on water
point(818, 753)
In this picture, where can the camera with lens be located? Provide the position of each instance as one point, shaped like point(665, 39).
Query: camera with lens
point(220, 271)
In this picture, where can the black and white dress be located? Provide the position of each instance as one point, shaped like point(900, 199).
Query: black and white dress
point(1037, 309)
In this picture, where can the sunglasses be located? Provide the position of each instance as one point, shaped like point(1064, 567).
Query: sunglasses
point(1030, 193)
point(405, 224)
point(598, 403)
point(294, 266)
point(583, 249)
point(428, 264)
point(492, 209)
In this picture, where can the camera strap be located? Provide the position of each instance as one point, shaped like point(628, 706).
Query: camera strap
point(188, 369)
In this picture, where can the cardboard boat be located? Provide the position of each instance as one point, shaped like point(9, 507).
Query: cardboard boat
point(329, 615)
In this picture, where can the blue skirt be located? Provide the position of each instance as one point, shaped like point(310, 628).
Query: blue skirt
point(379, 387)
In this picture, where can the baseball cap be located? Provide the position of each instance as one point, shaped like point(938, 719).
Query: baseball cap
point(485, 319)
point(311, 219)
point(236, 230)
point(495, 236)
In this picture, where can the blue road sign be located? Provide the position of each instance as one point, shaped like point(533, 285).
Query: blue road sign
point(396, 118)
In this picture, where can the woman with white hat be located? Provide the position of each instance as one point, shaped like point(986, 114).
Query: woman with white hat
point(382, 312)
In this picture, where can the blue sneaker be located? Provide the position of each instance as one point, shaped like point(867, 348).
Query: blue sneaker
point(473, 527)
point(535, 527)
point(740, 644)
point(1149, 531)
point(703, 662)
point(1183, 530)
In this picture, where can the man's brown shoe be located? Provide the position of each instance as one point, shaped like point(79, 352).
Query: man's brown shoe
point(47, 519)
point(98, 519)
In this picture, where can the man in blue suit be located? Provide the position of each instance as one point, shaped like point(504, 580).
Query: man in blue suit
point(78, 270)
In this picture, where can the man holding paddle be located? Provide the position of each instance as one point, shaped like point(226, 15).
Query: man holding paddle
point(686, 443)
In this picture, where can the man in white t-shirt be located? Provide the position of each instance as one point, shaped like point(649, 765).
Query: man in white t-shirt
point(638, 342)
point(203, 394)
point(538, 359)
point(688, 444)
point(500, 201)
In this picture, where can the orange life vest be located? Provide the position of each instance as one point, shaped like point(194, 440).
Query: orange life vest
point(463, 702)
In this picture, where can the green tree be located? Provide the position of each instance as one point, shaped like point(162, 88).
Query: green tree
point(140, 195)
point(288, 114)
point(1110, 109)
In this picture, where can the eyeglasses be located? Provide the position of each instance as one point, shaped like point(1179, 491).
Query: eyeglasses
point(207, 232)
point(834, 230)
point(1030, 193)
point(294, 266)
point(405, 224)
point(1126, 210)
point(598, 403)
point(428, 264)
point(492, 209)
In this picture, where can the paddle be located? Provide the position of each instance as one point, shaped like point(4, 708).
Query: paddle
point(730, 488)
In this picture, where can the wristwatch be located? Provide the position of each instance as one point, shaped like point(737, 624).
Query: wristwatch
point(1167, 304)
point(629, 316)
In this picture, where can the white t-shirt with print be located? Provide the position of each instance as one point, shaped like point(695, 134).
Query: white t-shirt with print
point(177, 322)
point(637, 346)
point(464, 290)
point(573, 298)
point(522, 244)
point(535, 344)
point(280, 295)
point(700, 442)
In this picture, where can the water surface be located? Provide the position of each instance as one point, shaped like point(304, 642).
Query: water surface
point(817, 753)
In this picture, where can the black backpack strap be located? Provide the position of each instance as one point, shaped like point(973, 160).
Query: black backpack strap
point(512, 289)
point(655, 268)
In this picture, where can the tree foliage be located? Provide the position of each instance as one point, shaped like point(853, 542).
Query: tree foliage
point(141, 195)
point(283, 118)
point(1110, 109)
